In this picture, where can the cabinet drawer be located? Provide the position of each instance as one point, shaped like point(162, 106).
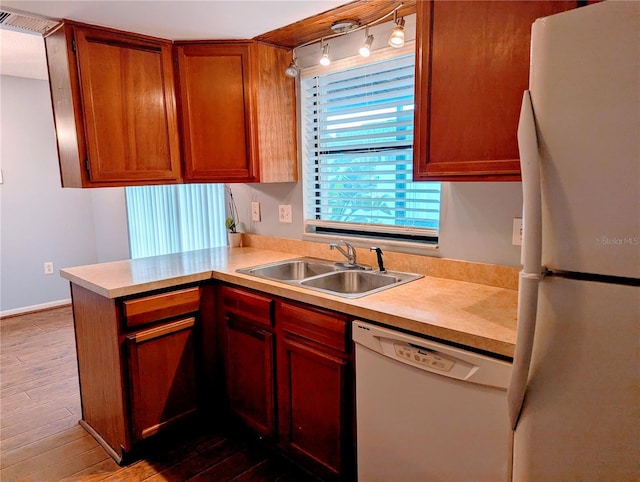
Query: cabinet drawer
point(247, 305)
point(157, 307)
point(326, 328)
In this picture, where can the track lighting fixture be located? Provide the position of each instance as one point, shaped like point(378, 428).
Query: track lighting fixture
point(396, 39)
point(325, 60)
point(365, 50)
point(343, 27)
point(293, 69)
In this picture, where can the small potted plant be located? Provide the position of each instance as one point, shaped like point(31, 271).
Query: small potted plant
point(234, 237)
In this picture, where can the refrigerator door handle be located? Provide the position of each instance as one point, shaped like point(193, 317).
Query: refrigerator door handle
point(532, 204)
point(531, 258)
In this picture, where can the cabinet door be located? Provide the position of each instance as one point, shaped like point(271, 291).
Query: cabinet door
point(314, 406)
point(472, 65)
point(162, 370)
point(128, 103)
point(215, 105)
point(249, 374)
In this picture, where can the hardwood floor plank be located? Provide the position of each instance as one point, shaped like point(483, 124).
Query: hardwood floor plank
point(38, 384)
point(231, 467)
point(67, 466)
point(38, 433)
point(199, 462)
point(272, 470)
point(27, 451)
point(13, 403)
point(50, 458)
point(25, 421)
point(94, 473)
point(71, 402)
point(54, 389)
point(7, 361)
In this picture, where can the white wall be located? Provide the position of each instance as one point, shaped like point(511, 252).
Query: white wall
point(40, 221)
point(476, 218)
point(110, 223)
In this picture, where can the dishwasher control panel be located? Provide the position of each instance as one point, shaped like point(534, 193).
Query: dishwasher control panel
point(424, 357)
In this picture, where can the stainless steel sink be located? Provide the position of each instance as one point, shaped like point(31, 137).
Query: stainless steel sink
point(329, 277)
point(351, 281)
point(296, 269)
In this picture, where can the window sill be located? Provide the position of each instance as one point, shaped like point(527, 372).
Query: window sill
point(386, 245)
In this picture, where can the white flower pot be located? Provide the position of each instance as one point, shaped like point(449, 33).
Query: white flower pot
point(235, 239)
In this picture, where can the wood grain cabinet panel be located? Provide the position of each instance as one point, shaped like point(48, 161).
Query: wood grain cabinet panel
point(237, 111)
point(114, 108)
point(315, 383)
point(472, 66)
point(250, 374)
point(249, 357)
point(162, 372)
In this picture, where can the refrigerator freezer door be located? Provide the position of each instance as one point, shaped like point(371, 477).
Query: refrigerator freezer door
point(581, 415)
point(584, 83)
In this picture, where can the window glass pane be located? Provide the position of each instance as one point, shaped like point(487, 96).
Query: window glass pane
point(175, 218)
point(358, 147)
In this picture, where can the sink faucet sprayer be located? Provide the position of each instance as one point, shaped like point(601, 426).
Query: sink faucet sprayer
point(380, 262)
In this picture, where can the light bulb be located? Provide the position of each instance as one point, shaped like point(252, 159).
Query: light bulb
point(325, 60)
point(292, 70)
point(365, 50)
point(396, 39)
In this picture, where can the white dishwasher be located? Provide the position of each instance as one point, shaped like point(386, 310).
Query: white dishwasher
point(426, 411)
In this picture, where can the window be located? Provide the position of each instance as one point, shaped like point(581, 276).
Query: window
point(358, 155)
point(175, 218)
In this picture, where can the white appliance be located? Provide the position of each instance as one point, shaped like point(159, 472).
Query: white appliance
point(427, 411)
point(574, 396)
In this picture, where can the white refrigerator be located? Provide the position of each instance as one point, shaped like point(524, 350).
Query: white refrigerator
point(574, 393)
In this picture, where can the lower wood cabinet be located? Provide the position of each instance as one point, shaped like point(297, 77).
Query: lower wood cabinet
point(249, 375)
point(138, 363)
point(289, 378)
point(162, 373)
point(315, 388)
point(249, 359)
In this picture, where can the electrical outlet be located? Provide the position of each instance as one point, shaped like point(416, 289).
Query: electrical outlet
point(48, 267)
point(516, 236)
point(284, 213)
point(255, 211)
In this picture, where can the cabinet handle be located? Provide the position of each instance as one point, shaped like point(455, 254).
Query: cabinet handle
point(167, 329)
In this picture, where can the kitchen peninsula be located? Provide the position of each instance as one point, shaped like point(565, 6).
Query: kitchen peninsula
point(156, 339)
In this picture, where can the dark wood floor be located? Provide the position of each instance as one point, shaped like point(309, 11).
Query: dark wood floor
point(40, 439)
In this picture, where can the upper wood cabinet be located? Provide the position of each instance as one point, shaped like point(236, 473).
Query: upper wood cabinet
point(237, 112)
point(113, 100)
point(472, 66)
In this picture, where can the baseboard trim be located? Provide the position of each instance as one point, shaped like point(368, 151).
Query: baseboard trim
point(30, 309)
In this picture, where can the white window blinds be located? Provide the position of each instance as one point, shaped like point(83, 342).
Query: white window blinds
point(175, 218)
point(358, 149)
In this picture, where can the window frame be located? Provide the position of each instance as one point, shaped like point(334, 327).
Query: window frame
point(408, 239)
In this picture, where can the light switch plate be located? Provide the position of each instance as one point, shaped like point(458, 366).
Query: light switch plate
point(284, 213)
point(516, 236)
point(255, 211)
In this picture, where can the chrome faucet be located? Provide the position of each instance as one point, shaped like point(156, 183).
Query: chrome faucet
point(350, 253)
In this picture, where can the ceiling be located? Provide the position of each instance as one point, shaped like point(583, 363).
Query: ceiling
point(22, 54)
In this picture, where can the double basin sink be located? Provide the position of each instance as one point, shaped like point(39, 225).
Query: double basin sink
point(328, 277)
